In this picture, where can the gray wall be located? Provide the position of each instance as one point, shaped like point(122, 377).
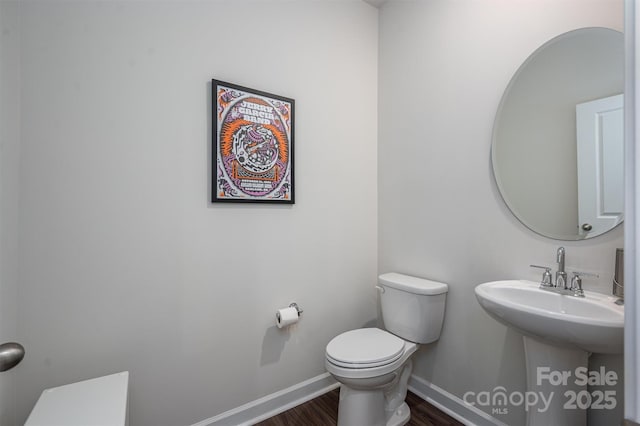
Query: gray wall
point(9, 195)
point(443, 68)
point(124, 265)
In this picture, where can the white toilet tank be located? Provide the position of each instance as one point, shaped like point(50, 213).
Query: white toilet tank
point(96, 402)
point(412, 308)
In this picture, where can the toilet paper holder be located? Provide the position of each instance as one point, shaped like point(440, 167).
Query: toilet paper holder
point(297, 308)
point(288, 316)
point(291, 305)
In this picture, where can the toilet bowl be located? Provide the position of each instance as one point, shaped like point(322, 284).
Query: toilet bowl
point(374, 365)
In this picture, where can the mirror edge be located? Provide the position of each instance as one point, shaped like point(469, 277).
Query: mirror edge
point(496, 121)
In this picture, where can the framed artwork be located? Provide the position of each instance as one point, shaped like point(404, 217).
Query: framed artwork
point(252, 145)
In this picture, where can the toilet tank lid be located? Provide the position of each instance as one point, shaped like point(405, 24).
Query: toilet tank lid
point(411, 284)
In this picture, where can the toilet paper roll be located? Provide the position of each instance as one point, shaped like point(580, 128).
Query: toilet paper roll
point(286, 316)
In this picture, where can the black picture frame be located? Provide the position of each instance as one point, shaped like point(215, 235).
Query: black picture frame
point(253, 145)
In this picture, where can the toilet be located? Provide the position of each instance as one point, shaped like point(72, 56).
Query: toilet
point(373, 365)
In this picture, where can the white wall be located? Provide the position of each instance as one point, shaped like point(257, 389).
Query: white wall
point(443, 68)
point(632, 234)
point(124, 265)
point(9, 195)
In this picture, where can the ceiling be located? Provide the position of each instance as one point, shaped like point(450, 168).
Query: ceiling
point(375, 3)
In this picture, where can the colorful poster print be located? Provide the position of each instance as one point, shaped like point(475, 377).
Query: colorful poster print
point(252, 146)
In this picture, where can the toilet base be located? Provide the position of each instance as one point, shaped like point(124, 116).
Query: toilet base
point(358, 407)
point(401, 416)
point(378, 401)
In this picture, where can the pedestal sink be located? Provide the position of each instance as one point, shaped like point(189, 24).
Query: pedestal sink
point(559, 333)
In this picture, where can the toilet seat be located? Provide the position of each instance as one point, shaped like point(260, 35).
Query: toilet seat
point(365, 348)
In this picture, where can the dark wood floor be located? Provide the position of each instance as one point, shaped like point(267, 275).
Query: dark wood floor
point(323, 411)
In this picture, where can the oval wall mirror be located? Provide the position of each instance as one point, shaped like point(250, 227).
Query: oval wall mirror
point(557, 149)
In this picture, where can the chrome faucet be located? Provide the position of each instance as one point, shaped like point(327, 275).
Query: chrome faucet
point(561, 285)
point(561, 275)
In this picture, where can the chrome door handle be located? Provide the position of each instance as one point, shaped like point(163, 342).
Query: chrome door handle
point(10, 355)
point(587, 227)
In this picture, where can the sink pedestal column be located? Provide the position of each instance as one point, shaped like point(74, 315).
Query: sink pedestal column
point(551, 376)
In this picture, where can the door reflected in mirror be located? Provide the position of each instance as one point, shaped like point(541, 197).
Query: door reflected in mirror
point(557, 148)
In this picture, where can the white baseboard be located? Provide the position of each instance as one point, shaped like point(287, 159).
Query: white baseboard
point(281, 401)
point(451, 404)
point(273, 404)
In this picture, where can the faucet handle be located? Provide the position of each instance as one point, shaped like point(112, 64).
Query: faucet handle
point(576, 282)
point(546, 276)
point(584, 274)
point(576, 285)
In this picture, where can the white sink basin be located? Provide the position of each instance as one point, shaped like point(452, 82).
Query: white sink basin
point(593, 323)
